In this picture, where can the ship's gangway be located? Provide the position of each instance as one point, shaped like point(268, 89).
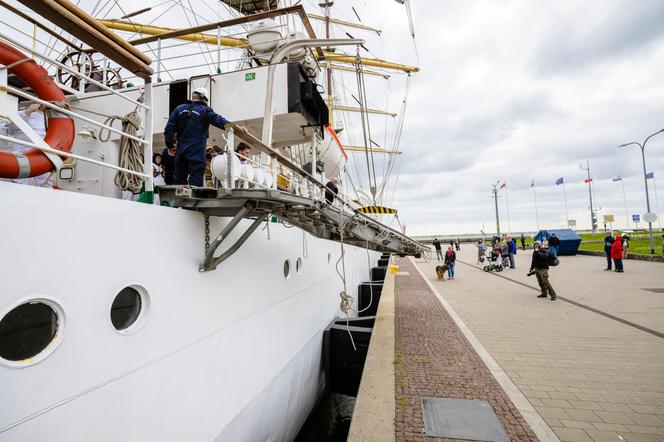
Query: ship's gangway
point(327, 221)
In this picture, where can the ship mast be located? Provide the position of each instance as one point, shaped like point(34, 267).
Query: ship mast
point(326, 5)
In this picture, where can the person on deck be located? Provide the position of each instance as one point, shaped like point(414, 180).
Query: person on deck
point(190, 121)
point(608, 242)
point(242, 151)
point(450, 260)
point(439, 250)
point(332, 189)
point(617, 253)
point(168, 164)
point(36, 119)
point(554, 242)
point(540, 265)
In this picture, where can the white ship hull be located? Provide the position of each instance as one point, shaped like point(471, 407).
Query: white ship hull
point(230, 354)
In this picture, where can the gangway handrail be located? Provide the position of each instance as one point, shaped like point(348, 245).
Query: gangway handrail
point(71, 71)
point(275, 154)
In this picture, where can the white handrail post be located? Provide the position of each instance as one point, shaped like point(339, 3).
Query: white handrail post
point(278, 57)
point(230, 151)
point(218, 49)
point(314, 166)
point(158, 60)
point(147, 136)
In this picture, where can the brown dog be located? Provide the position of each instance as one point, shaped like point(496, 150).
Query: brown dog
point(441, 271)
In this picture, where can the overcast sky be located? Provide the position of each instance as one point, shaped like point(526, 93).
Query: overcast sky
point(516, 90)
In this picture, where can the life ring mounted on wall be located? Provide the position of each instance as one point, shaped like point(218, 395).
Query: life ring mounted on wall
point(61, 129)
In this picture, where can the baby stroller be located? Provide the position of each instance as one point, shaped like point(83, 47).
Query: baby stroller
point(495, 262)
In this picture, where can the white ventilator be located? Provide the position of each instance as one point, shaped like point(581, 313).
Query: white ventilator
point(219, 167)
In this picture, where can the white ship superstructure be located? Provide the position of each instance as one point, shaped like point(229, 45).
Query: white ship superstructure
point(121, 320)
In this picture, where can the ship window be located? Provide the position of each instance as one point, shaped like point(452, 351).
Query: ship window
point(329, 258)
point(298, 266)
point(287, 269)
point(27, 330)
point(126, 308)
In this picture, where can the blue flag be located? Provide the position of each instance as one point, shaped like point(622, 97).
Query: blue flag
point(559, 181)
point(532, 183)
point(650, 175)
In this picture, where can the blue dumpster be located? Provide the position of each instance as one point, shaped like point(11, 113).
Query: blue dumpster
point(569, 240)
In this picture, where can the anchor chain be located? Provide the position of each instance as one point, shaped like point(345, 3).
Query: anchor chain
point(207, 234)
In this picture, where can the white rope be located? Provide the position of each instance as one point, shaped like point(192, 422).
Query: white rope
point(346, 304)
point(130, 151)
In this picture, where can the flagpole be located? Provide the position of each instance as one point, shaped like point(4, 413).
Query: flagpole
point(654, 185)
point(507, 203)
point(622, 181)
point(536, 212)
point(565, 200)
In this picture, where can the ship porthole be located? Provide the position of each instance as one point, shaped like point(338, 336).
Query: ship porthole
point(129, 309)
point(298, 266)
point(287, 269)
point(30, 331)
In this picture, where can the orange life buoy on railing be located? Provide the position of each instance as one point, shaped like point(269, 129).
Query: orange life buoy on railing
point(61, 129)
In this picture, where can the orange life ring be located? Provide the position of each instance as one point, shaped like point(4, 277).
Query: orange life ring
point(61, 130)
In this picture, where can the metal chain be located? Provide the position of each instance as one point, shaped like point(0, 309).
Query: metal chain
point(207, 234)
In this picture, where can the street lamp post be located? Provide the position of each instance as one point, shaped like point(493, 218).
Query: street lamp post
point(645, 181)
point(494, 190)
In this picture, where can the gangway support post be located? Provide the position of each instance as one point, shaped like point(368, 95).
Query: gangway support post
point(211, 262)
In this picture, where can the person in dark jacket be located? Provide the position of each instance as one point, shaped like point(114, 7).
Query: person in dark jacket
point(554, 243)
point(511, 246)
point(523, 242)
point(190, 122)
point(168, 163)
point(608, 242)
point(540, 265)
point(450, 260)
point(332, 189)
point(617, 253)
point(439, 250)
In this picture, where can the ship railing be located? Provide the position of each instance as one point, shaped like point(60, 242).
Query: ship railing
point(317, 189)
point(61, 108)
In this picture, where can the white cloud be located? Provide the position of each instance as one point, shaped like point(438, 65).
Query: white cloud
point(516, 90)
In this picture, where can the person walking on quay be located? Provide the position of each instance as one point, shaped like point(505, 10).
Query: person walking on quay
point(617, 254)
point(554, 242)
point(450, 260)
point(457, 244)
point(511, 248)
point(608, 242)
point(540, 265)
point(481, 251)
point(523, 242)
point(625, 245)
point(439, 250)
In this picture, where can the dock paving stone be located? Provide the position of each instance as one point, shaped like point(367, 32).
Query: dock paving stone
point(610, 374)
point(426, 332)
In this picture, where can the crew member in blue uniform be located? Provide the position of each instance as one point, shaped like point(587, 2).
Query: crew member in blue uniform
point(190, 122)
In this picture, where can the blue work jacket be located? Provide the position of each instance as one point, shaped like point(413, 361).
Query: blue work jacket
point(190, 121)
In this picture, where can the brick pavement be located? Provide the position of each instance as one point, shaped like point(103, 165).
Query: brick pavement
point(433, 358)
point(590, 377)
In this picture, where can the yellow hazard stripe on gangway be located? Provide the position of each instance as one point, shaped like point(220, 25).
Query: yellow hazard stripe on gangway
point(377, 210)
